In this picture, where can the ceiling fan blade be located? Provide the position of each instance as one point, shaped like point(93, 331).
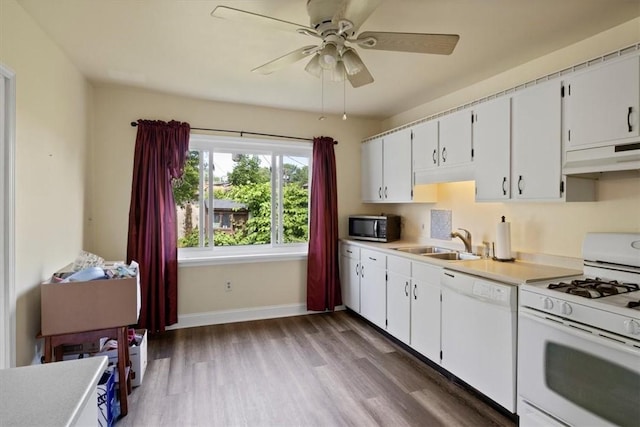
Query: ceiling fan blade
point(238, 15)
point(441, 44)
point(362, 78)
point(285, 60)
point(355, 11)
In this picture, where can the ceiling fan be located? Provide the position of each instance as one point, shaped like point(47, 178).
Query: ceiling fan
point(335, 23)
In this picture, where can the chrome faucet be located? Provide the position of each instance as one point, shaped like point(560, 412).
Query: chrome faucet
point(466, 239)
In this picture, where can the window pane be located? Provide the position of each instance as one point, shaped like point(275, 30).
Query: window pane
point(243, 194)
point(295, 180)
point(186, 195)
point(242, 199)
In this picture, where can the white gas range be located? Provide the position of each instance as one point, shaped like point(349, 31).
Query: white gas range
point(579, 340)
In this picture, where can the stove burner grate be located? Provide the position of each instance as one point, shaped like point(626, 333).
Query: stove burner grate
point(594, 288)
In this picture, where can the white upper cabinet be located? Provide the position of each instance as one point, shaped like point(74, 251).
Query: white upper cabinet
point(425, 146)
point(442, 149)
point(396, 160)
point(536, 143)
point(455, 138)
point(371, 168)
point(602, 104)
point(492, 148)
point(386, 168)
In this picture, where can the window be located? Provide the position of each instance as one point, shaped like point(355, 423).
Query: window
point(242, 197)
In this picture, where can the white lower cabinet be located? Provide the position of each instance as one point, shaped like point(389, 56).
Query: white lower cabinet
point(398, 298)
point(425, 310)
point(373, 295)
point(350, 276)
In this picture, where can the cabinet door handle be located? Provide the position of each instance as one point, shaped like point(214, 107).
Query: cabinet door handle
point(504, 186)
point(415, 288)
point(444, 154)
point(385, 192)
point(520, 187)
point(362, 271)
point(357, 269)
point(379, 192)
point(629, 119)
point(406, 289)
point(434, 156)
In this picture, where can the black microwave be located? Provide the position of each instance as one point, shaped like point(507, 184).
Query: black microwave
point(376, 228)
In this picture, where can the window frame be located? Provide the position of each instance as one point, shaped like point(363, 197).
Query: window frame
point(249, 253)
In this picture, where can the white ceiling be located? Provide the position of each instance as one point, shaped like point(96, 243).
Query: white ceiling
point(177, 47)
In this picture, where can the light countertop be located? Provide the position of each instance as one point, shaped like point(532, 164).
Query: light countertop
point(514, 273)
point(49, 394)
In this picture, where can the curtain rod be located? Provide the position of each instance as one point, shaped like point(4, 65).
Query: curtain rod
point(242, 133)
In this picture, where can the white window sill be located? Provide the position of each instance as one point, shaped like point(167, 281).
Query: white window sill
point(208, 257)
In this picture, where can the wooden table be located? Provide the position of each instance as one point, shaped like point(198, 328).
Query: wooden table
point(53, 346)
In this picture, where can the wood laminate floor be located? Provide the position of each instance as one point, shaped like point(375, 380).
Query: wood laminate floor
point(329, 369)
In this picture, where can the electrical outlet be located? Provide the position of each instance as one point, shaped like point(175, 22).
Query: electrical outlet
point(227, 286)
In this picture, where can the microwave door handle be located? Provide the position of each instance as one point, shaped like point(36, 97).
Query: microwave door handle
point(376, 232)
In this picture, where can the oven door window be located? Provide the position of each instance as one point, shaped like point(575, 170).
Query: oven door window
point(581, 378)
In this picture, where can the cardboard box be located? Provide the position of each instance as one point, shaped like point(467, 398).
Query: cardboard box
point(86, 306)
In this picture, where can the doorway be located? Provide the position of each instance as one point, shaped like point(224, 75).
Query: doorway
point(7, 202)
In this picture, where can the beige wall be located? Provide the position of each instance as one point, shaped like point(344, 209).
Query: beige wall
point(551, 228)
point(608, 41)
point(57, 213)
point(201, 288)
point(53, 102)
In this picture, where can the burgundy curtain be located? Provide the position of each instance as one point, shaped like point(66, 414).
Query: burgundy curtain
point(160, 154)
point(323, 279)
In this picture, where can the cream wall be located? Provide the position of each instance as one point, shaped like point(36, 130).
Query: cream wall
point(608, 41)
point(201, 288)
point(52, 111)
point(549, 228)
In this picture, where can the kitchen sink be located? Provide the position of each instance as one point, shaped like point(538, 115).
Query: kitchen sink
point(424, 250)
point(452, 256)
point(437, 252)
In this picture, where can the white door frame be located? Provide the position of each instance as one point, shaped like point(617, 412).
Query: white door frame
point(7, 216)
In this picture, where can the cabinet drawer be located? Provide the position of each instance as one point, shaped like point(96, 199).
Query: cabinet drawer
point(350, 251)
point(373, 258)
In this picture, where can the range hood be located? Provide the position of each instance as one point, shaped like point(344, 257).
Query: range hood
point(608, 158)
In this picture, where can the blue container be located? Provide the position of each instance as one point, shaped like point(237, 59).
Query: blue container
point(107, 398)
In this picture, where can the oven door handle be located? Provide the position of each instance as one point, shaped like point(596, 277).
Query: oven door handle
point(588, 333)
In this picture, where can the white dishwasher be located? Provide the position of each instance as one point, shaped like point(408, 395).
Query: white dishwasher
point(479, 334)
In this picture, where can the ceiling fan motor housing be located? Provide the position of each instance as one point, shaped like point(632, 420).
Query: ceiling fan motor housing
point(321, 11)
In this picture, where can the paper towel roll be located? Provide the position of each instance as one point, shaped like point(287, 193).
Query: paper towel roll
point(503, 240)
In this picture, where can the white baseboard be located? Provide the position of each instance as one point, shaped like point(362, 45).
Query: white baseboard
point(242, 315)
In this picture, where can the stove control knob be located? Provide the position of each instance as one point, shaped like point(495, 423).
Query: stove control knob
point(632, 327)
point(547, 303)
point(566, 308)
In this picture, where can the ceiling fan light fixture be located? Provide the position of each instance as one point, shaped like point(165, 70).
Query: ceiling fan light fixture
point(352, 62)
point(337, 74)
point(313, 67)
point(329, 56)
